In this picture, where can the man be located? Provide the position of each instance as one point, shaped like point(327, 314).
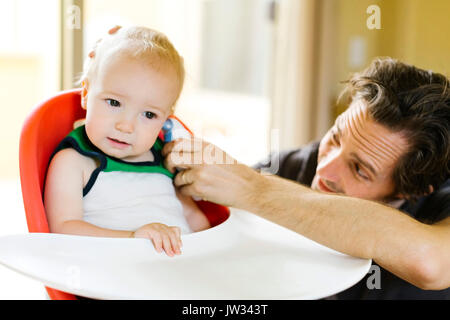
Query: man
point(377, 186)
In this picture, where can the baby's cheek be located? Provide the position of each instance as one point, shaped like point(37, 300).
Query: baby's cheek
point(149, 139)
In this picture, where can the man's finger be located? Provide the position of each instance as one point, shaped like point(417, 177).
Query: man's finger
point(169, 165)
point(184, 145)
point(92, 53)
point(114, 29)
point(181, 160)
point(178, 144)
point(190, 190)
point(183, 178)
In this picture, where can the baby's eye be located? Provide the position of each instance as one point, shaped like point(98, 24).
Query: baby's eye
point(149, 115)
point(113, 103)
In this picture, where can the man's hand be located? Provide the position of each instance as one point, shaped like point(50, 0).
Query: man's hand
point(110, 31)
point(210, 173)
point(163, 237)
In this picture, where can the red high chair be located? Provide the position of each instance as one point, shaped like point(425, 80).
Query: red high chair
point(45, 127)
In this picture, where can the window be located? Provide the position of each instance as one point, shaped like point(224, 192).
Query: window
point(226, 45)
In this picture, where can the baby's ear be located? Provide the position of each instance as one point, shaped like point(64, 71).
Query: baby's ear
point(84, 92)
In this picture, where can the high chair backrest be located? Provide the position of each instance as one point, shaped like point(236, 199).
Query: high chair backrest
point(44, 128)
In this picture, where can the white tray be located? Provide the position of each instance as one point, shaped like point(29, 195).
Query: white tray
point(246, 257)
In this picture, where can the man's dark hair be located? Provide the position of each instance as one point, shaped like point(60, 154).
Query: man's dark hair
point(415, 102)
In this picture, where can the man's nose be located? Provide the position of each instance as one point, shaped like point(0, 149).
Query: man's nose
point(125, 124)
point(331, 166)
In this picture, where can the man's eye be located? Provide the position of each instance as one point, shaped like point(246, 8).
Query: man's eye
point(113, 103)
point(335, 138)
point(360, 172)
point(149, 115)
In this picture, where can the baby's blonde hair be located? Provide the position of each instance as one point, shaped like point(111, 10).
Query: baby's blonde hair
point(143, 43)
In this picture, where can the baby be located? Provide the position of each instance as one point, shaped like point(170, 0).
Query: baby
point(106, 178)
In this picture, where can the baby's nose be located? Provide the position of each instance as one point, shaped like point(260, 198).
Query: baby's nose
point(125, 125)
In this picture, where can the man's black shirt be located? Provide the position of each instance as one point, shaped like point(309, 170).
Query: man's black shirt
point(300, 165)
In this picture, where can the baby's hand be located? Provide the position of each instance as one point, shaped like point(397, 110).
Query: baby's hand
point(163, 237)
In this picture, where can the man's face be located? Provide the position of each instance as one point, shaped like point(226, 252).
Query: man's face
point(357, 156)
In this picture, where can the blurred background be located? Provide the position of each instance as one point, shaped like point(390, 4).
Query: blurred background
point(254, 68)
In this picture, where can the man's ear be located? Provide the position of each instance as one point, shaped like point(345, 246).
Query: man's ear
point(399, 196)
point(402, 196)
point(84, 92)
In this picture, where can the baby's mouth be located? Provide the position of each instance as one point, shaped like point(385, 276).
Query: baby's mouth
point(118, 143)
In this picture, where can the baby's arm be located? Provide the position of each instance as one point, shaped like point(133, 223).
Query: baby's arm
point(194, 216)
point(63, 197)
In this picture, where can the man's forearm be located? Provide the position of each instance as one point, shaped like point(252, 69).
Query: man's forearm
point(353, 226)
